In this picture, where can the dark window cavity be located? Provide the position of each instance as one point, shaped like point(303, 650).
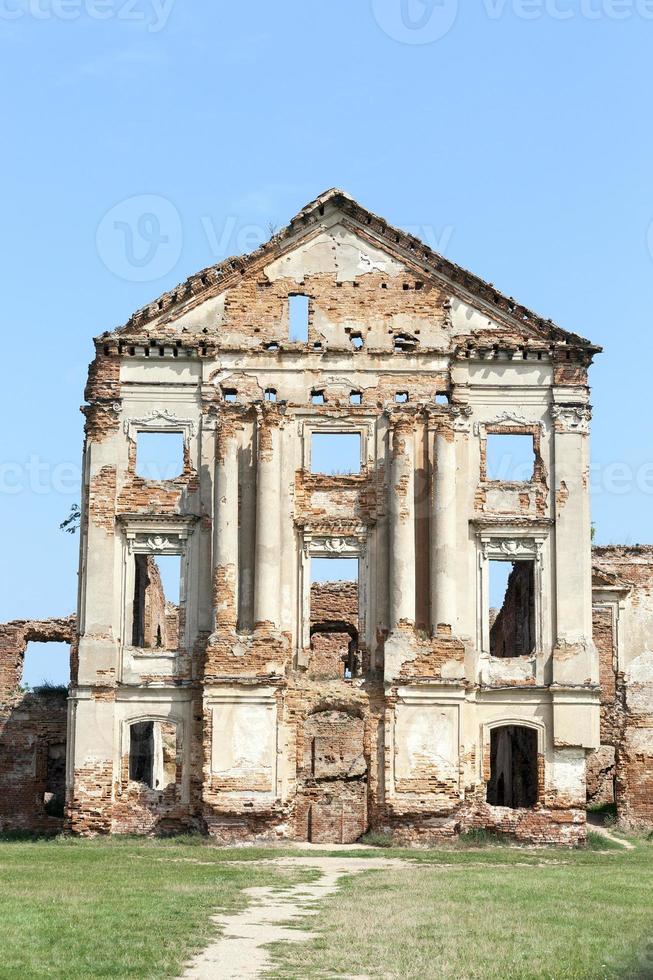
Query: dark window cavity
point(141, 753)
point(513, 767)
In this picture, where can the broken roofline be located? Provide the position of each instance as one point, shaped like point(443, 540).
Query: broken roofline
point(216, 278)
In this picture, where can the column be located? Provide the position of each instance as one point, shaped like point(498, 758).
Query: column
point(443, 530)
point(268, 523)
point(225, 571)
point(402, 523)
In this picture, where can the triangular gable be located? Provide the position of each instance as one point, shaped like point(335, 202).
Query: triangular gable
point(473, 295)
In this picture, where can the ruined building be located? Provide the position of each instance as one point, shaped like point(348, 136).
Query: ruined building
point(342, 395)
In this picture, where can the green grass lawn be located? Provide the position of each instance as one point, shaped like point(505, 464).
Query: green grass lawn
point(117, 908)
point(139, 908)
point(491, 913)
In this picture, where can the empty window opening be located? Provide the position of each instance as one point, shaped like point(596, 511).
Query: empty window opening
point(442, 398)
point(357, 341)
point(270, 394)
point(55, 779)
point(336, 453)
point(298, 318)
point(159, 455)
point(317, 398)
point(401, 397)
point(334, 618)
point(154, 753)
point(510, 457)
point(512, 608)
point(404, 343)
point(230, 395)
point(157, 587)
point(272, 346)
point(513, 767)
point(356, 398)
point(141, 753)
point(46, 665)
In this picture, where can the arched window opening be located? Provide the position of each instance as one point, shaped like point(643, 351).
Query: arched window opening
point(513, 767)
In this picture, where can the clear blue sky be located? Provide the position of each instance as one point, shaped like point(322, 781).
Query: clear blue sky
point(521, 147)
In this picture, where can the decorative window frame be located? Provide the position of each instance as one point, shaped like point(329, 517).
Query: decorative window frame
point(351, 543)
point(159, 420)
point(511, 423)
point(156, 535)
point(335, 426)
point(509, 544)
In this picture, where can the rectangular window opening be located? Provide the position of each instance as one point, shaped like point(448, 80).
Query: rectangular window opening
point(512, 608)
point(157, 596)
point(334, 618)
point(141, 753)
point(55, 779)
point(298, 319)
point(336, 453)
point(510, 458)
point(153, 753)
point(159, 455)
point(46, 666)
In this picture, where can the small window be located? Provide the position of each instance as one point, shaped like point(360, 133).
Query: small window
point(270, 394)
point(298, 319)
point(357, 341)
point(356, 398)
point(159, 455)
point(273, 346)
point(230, 395)
point(401, 397)
point(317, 398)
point(442, 398)
point(512, 608)
point(510, 458)
point(46, 665)
point(336, 453)
point(157, 588)
point(404, 343)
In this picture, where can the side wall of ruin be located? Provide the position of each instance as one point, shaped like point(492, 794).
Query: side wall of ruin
point(33, 732)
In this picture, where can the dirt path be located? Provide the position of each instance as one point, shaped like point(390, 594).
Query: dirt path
point(604, 832)
point(269, 917)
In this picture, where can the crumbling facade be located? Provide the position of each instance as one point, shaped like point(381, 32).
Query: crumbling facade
point(260, 704)
point(622, 769)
